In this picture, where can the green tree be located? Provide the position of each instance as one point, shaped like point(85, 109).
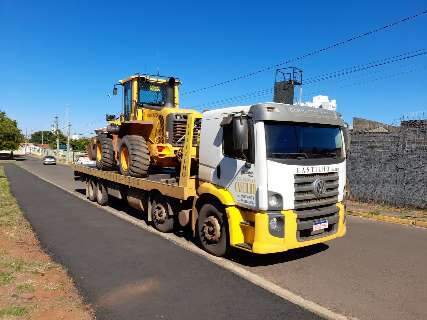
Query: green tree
point(10, 135)
point(80, 144)
point(48, 136)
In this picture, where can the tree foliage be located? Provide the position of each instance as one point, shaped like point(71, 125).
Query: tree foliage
point(49, 138)
point(80, 144)
point(10, 135)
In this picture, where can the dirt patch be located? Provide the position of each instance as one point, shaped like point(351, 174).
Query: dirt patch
point(376, 209)
point(123, 294)
point(32, 286)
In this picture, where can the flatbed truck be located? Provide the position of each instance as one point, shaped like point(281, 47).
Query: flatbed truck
point(269, 178)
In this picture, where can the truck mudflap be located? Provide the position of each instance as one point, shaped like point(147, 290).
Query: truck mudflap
point(270, 232)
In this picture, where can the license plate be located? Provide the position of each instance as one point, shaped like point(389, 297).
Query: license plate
point(320, 224)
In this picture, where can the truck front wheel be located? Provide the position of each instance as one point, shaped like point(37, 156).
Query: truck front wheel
point(212, 230)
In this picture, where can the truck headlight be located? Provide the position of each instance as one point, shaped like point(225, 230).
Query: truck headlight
point(275, 201)
point(276, 225)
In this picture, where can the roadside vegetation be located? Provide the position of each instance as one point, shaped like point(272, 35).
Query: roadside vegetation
point(387, 213)
point(49, 137)
point(32, 286)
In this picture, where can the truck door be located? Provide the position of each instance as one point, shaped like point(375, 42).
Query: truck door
point(236, 170)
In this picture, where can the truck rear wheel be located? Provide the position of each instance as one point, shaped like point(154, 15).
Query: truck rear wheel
point(134, 157)
point(161, 216)
point(91, 190)
point(104, 153)
point(212, 230)
point(101, 194)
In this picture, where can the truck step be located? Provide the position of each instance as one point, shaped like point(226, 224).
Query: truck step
point(244, 246)
point(247, 223)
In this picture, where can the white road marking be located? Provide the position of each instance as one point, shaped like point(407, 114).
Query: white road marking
point(221, 262)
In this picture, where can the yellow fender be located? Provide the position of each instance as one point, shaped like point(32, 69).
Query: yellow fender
point(220, 193)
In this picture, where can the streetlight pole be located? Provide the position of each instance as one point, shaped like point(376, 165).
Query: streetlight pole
point(68, 142)
point(57, 136)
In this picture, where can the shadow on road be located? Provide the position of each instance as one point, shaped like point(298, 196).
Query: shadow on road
point(119, 205)
point(247, 259)
point(241, 257)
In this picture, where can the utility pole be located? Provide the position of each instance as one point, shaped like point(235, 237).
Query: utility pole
point(57, 135)
point(68, 141)
point(42, 138)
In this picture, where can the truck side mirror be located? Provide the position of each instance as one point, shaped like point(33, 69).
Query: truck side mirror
point(115, 91)
point(240, 133)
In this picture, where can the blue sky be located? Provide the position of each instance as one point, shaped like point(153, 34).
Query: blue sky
point(57, 55)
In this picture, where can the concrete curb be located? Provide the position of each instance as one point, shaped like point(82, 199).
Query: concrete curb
point(396, 220)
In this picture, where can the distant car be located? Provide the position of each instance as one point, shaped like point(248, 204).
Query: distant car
point(49, 160)
point(86, 162)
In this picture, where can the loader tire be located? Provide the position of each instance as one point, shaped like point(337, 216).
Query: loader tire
point(91, 149)
point(105, 153)
point(134, 157)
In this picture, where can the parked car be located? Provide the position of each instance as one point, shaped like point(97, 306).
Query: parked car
point(49, 160)
point(86, 162)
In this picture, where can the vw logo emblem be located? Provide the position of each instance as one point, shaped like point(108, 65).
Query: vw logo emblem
point(319, 187)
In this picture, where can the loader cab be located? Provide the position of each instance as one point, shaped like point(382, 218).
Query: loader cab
point(148, 92)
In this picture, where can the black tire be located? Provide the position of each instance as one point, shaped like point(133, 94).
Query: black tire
point(138, 156)
point(87, 189)
point(101, 194)
point(161, 216)
point(212, 242)
point(92, 190)
point(104, 153)
point(91, 149)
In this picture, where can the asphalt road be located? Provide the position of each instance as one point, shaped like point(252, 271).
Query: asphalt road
point(377, 271)
point(129, 273)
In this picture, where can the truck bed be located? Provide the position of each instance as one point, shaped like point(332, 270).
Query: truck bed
point(165, 181)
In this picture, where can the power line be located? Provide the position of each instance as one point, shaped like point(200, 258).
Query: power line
point(361, 82)
point(368, 66)
point(383, 77)
point(372, 64)
point(311, 53)
point(328, 76)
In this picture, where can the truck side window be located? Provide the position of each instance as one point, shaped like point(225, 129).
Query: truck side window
point(228, 147)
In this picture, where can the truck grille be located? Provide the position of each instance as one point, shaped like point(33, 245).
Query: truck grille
point(179, 125)
point(312, 208)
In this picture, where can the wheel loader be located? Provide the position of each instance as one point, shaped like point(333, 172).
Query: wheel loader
point(149, 132)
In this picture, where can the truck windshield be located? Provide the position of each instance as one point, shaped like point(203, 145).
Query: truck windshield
point(302, 141)
point(151, 93)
